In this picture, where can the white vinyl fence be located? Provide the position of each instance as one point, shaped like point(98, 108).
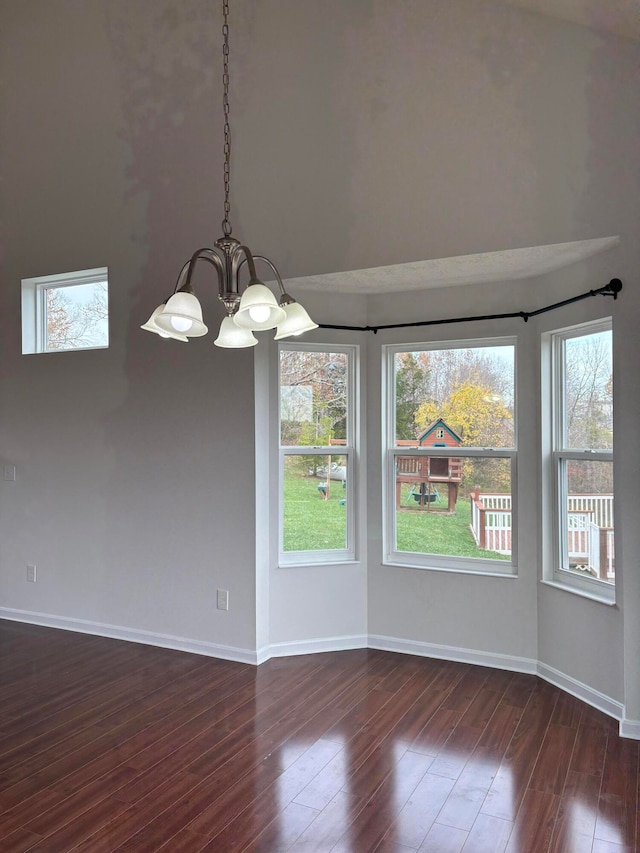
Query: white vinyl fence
point(589, 528)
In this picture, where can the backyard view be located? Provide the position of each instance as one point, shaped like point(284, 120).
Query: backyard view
point(453, 400)
point(452, 453)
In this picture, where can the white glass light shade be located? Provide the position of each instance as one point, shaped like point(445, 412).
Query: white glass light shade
point(232, 336)
point(296, 322)
point(258, 309)
point(182, 314)
point(151, 326)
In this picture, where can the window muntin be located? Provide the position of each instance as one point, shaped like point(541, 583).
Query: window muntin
point(65, 312)
point(316, 429)
point(450, 473)
point(582, 459)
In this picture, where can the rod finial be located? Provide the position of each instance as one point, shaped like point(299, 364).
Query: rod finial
point(614, 287)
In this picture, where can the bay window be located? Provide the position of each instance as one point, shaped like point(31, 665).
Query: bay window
point(578, 442)
point(450, 457)
point(317, 453)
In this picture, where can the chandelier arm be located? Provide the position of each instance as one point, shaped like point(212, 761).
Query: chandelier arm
point(283, 294)
point(248, 259)
point(186, 273)
point(273, 268)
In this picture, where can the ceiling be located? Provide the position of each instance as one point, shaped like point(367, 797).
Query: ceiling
point(508, 265)
point(621, 17)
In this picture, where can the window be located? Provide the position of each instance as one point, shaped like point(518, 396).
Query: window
point(65, 312)
point(317, 455)
point(450, 456)
point(579, 444)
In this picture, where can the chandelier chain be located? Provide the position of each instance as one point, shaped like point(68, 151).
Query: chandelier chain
point(226, 222)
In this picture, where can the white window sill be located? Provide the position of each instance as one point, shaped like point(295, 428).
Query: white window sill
point(318, 564)
point(488, 573)
point(601, 598)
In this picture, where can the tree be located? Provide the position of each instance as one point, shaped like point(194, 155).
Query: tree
point(412, 378)
point(481, 419)
point(313, 394)
point(588, 389)
point(73, 323)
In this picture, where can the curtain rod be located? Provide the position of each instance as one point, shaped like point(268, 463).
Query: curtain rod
point(613, 288)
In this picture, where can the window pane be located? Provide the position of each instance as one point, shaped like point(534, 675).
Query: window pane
point(455, 397)
point(313, 398)
point(589, 544)
point(77, 316)
point(588, 392)
point(454, 507)
point(315, 498)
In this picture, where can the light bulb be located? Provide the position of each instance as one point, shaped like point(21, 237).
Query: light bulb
point(259, 313)
point(181, 324)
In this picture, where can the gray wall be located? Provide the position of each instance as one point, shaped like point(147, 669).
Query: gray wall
point(365, 132)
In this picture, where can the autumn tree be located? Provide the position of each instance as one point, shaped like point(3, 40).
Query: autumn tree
point(481, 419)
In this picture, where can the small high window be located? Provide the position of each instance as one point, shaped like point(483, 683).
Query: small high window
point(65, 312)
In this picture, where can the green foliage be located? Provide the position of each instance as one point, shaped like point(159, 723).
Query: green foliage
point(411, 385)
point(310, 522)
point(481, 420)
point(427, 531)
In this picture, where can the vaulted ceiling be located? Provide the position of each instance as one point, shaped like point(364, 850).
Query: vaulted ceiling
point(621, 17)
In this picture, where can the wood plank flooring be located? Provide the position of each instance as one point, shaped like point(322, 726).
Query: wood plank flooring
point(111, 747)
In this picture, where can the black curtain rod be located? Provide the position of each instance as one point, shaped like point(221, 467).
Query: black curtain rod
point(612, 289)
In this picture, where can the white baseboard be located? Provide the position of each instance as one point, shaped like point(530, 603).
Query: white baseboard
point(581, 691)
point(454, 653)
point(309, 647)
point(630, 729)
point(131, 635)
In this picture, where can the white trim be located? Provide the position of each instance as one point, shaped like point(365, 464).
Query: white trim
point(33, 292)
point(391, 451)
point(435, 650)
point(311, 647)
point(630, 728)
point(131, 635)
point(512, 663)
point(582, 691)
point(349, 451)
point(555, 456)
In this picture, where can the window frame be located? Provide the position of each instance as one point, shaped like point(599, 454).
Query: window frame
point(555, 458)
point(287, 559)
point(34, 311)
point(390, 452)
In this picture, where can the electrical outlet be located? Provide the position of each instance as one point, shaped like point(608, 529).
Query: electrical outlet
point(9, 473)
point(223, 599)
point(31, 574)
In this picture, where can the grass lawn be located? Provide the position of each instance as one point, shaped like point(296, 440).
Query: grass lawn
point(311, 523)
point(434, 531)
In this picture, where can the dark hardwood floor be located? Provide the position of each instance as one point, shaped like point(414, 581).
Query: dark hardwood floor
point(110, 746)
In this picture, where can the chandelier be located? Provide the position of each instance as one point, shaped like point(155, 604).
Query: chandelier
point(256, 309)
